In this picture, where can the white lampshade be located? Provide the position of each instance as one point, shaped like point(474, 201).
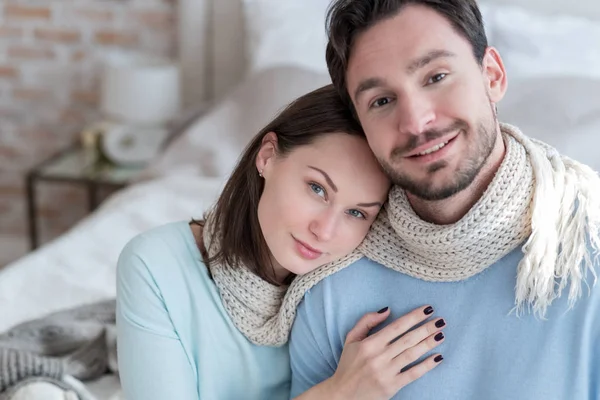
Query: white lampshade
point(140, 91)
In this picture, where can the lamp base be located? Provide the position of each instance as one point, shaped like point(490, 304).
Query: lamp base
point(129, 145)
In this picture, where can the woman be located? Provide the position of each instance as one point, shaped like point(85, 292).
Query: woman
point(304, 193)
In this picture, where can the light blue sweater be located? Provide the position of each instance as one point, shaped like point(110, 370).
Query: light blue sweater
point(488, 354)
point(175, 339)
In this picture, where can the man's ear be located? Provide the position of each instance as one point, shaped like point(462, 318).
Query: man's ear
point(494, 74)
point(267, 153)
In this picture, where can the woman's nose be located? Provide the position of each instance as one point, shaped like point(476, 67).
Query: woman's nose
point(323, 226)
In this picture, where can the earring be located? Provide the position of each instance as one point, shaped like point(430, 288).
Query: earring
point(260, 173)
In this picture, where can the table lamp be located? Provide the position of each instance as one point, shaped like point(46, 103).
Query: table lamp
point(139, 97)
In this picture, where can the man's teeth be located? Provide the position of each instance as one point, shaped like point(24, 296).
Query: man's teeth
point(433, 149)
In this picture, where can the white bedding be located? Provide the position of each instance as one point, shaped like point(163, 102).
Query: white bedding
point(79, 266)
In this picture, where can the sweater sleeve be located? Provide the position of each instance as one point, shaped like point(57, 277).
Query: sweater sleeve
point(153, 364)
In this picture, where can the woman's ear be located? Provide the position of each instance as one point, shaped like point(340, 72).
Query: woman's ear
point(266, 154)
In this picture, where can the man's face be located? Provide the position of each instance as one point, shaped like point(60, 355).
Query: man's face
point(426, 105)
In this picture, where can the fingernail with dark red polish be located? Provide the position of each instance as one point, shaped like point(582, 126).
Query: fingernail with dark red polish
point(384, 309)
point(438, 337)
point(439, 323)
point(428, 310)
point(438, 358)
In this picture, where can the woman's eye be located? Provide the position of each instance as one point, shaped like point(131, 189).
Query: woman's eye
point(319, 191)
point(436, 78)
point(357, 214)
point(380, 102)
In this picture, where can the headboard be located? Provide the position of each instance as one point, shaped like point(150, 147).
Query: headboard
point(211, 40)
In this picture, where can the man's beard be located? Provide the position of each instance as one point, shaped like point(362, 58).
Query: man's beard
point(462, 178)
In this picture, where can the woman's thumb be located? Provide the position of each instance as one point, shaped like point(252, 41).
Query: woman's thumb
point(365, 324)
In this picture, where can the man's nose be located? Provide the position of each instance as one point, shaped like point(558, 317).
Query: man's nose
point(415, 114)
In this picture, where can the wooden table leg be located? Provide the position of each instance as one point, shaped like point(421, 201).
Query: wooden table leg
point(32, 210)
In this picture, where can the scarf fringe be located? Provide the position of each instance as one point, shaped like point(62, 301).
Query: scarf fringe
point(565, 224)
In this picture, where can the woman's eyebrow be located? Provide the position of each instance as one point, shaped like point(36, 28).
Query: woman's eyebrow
point(376, 203)
point(330, 183)
point(327, 178)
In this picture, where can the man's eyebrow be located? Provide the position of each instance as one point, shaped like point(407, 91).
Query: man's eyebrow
point(414, 65)
point(376, 203)
point(368, 84)
point(327, 178)
point(426, 59)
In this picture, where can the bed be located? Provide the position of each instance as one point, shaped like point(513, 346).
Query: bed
point(248, 58)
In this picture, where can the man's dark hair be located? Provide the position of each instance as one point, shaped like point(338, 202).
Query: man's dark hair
point(346, 19)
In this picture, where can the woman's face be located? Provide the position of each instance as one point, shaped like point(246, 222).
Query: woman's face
point(319, 201)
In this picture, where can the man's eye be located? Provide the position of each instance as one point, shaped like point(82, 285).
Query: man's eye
point(436, 78)
point(380, 102)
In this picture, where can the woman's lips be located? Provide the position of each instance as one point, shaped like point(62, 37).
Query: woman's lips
point(306, 251)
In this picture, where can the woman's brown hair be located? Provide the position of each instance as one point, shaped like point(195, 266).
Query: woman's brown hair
point(236, 225)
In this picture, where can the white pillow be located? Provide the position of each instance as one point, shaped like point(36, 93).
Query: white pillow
point(286, 32)
point(563, 112)
point(536, 45)
point(531, 44)
point(211, 146)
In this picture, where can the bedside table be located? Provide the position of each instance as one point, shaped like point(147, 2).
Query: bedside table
point(74, 166)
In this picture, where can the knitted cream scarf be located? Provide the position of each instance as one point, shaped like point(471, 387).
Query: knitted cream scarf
point(547, 202)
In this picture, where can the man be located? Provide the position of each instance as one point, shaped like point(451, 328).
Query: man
point(496, 231)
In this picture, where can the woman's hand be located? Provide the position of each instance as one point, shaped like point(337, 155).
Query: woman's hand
point(372, 367)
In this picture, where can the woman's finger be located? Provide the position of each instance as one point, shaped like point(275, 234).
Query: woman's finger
point(365, 324)
point(418, 370)
point(415, 337)
point(402, 325)
point(414, 353)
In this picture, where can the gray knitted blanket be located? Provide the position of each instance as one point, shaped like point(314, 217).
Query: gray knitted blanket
point(78, 342)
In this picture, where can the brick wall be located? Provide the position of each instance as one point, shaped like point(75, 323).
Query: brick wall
point(50, 57)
